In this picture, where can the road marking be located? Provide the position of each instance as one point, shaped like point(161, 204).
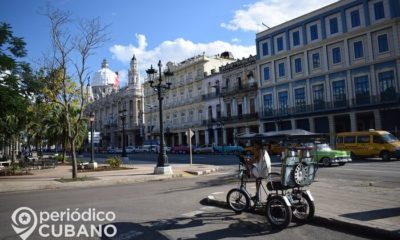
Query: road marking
point(216, 193)
point(192, 213)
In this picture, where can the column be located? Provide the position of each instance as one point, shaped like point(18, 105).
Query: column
point(312, 124)
point(245, 105)
point(332, 132)
point(353, 122)
point(247, 130)
point(197, 137)
point(378, 120)
point(206, 137)
point(215, 136)
point(173, 140)
point(234, 136)
point(261, 127)
point(293, 123)
point(224, 138)
point(179, 138)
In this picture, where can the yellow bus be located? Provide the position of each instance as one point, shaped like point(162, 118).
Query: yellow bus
point(369, 143)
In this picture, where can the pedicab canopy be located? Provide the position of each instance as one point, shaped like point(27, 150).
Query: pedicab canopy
point(285, 135)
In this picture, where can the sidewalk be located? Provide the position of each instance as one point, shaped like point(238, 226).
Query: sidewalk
point(352, 205)
point(140, 172)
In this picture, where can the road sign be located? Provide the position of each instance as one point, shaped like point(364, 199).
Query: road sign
point(191, 133)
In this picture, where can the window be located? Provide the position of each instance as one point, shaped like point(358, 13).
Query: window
point(339, 93)
point(265, 49)
point(355, 18)
point(316, 62)
point(279, 44)
point(296, 38)
point(386, 85)
point(379, 10)
point(333, 24)
point(297, 65)
point(318, 96)
point(361, 86)
point(349, 139)
point(266, 73)
point(268, 104)
point(228, 110)
point(377, 139)
point(300, 99)
point(363, 139)
point(336, 57)
point(383, 45)
point(358, 49)
point(314, 32)
point(283, 101)
point(281, 69)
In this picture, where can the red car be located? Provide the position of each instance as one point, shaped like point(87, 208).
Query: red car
point(180, 149)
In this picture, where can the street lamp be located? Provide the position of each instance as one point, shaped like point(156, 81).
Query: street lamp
point(151, 107)
point(160, 88)
point(91, 120)
point(123, 117)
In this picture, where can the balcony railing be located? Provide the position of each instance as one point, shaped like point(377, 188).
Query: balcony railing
point(360, 101)
point(231, 119)
point(239, 88)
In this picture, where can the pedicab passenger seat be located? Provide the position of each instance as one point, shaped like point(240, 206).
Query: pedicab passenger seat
point(297, 171)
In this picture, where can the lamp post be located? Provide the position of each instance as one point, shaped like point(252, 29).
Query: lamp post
point(91, 119)
point(151, 107)
point(160, 88)
point(123, 117)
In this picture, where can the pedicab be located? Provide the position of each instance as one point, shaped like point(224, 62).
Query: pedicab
point(286, 193)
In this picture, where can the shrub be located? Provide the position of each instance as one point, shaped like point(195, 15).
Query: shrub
point(114, 162)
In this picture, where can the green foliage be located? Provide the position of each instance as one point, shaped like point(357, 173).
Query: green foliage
point(61, 158)
point(114, 162)
point(15, 83)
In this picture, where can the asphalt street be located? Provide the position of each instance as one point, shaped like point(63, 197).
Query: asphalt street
point(171, 209)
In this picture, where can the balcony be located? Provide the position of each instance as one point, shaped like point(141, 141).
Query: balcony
point(239, 89)
point(360, 101)
point(231, 119)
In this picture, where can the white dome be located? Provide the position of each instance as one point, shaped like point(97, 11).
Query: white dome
point(104, 76)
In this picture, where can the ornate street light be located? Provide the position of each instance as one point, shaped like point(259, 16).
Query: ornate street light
point(123, 117)
point(91, 120)
point(160, 88)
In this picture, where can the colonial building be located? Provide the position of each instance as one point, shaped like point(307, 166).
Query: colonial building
point(183, 104)
point(239, 94)
point(332, 70)
point(113, 105)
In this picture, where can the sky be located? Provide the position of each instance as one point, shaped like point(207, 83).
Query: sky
point(169, 30)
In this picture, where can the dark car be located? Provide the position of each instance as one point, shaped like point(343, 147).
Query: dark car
point(180, 149)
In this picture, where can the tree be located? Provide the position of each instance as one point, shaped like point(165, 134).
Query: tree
point(68, 71)
point(16, 86)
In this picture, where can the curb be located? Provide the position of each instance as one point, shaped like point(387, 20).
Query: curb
point(203, 172)
point(330, 223)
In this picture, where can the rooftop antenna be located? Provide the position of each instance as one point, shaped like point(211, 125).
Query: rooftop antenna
point(265, 25)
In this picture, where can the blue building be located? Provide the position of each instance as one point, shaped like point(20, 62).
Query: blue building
point(332, 70)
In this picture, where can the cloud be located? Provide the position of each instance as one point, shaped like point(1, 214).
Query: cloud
point(271, 13)
point(174, 50)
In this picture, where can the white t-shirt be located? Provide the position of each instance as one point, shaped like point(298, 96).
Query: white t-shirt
point(263, 166)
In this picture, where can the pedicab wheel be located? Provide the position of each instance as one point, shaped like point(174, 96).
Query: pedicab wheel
point(278, 213)
point(304, 210)
point(238, 200)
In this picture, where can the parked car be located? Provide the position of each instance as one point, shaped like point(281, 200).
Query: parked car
point(325, 155)
point(228, 149)
point(130, 149)
point(204, 149)
point(142, 149)
point(111, 150)
point(180, 149)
